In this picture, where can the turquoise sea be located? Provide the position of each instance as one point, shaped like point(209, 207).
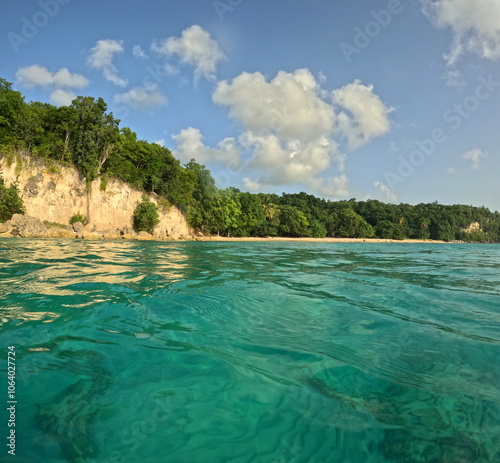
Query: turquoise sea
point(193, 352)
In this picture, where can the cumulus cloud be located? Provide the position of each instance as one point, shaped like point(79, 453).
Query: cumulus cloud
point(385, 191)
point(292, 126)
point(367, 116)
point(60, 83)
point(454, 78)
point(475, 157)
point(101, 58)
point(147, 97)
point(289, 105)
point(62, 97)
point(335, 187)
point(475, 26)
point(33, 76)
point(190, 145)
point(287, 162)
point(138, 52)
point(195, 47)
point(251, 185)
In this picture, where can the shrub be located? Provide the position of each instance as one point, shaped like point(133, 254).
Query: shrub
point(19, 164)
point(78, 218)
point(10, 201)
point(164, 205)
point(52, 168)
point(10, 159)
point(49, 224)
point(146, 216)
point(104, 182)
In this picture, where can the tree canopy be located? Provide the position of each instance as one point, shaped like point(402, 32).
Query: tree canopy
point(89, 138)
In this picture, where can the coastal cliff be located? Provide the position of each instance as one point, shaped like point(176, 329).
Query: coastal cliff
point(54, 193)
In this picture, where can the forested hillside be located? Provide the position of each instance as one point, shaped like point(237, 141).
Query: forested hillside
point(87, 136)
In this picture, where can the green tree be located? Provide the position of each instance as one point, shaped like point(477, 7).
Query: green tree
point(316, 229)
point(95, 137)
point(11, 105)
point(293, 222)
point(349, 224)
point(423, 228)
point(201, 214)
point(146, 216)
point(252, 214)
point(10, 201)
point(222, 213)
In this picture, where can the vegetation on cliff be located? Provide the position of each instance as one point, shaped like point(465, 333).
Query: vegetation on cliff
point(146, 216)
point(86, 136)
point(10, 201)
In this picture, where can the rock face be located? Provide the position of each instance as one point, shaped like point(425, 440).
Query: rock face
point(78, 227)
point(56, 193)
point(26, 226)
point(473, 227)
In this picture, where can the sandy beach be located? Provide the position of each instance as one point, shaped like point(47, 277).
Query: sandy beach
point(316, 240)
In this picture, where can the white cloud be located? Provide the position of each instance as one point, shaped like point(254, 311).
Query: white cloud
point(368, 116)
point(454, 78)
point(290, 129)
point(335, 187)
point(147, 97)
point(251, 185)
point(32, 76)
point(190, 145)
point(451, 171)
point(289, 105)
point(475, 157)
point(138, 52)
point(475, 25)
point(160, 142)
point(286, 163)
point(195, 47)
point(171, 70)
point(62, 97)
point(60, 82)
point(386, 192)
point(101, 58)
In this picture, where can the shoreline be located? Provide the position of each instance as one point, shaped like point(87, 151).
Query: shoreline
point(68, 235)
point(317, 240)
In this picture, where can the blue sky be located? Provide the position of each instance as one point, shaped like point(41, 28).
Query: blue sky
point(394, 100)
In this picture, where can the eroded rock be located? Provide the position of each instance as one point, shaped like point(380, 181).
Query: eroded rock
point(78, 227)
point(27, 227)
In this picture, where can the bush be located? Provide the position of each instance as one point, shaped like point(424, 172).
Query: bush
point(52, 168)
point(104, 182)
point(146, 216)
point(10, 201)
point(78, 218)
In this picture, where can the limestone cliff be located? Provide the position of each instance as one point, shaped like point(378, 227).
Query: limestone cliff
point(55, 193)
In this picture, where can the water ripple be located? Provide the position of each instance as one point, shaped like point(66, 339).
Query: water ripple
point(254, 352)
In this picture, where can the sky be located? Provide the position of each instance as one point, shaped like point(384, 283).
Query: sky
point(395, 100)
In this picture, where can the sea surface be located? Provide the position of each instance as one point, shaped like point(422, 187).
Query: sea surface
point(280, 352)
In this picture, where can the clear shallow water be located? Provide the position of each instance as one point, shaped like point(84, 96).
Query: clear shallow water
point(252, 352)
